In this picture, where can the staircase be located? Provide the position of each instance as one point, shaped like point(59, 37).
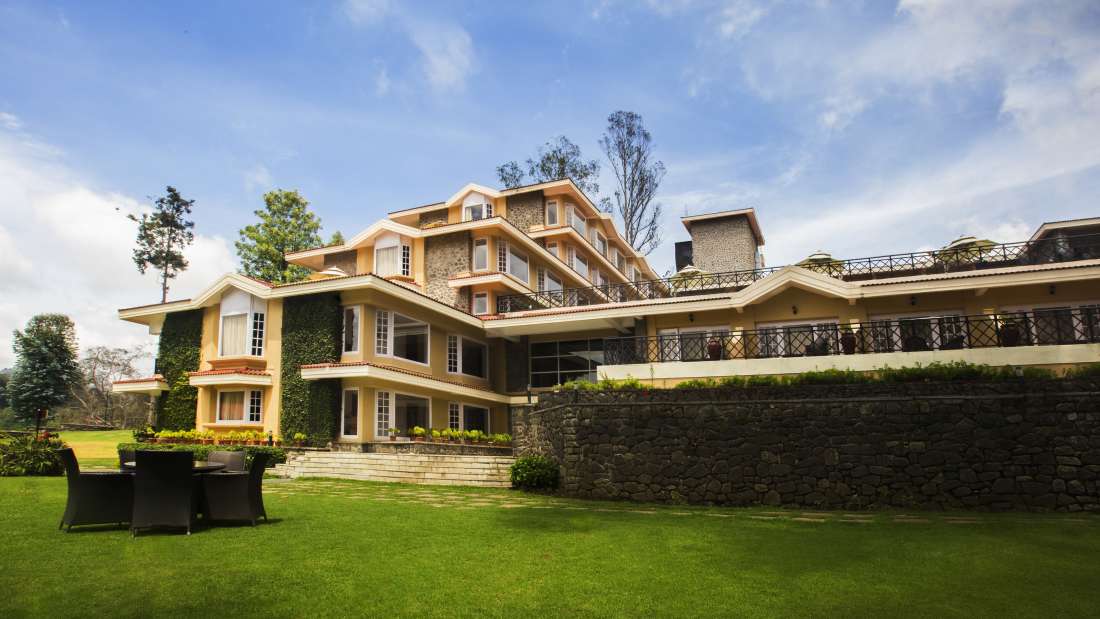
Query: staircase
point(407, 468)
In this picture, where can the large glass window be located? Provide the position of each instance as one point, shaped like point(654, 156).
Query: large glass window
point(551, 213)
point(350, 413)
point(387, 261)
point(233, 334)
point(580, 264)
point(796, 340)
point(601, 243)
point(555, 363)
point(240, 406)
point(473, 212)
point(481, 303)
point(481, 254)
point(466, 356)
point(475, 418)
point(401, 336)
point(410, 411)
point(351, 329)
point(574, 219)
point(517, 266)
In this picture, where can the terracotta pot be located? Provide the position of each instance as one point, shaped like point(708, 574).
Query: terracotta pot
point(419, 439)
point(848, 342)
point(393, 437)
point(714, 350)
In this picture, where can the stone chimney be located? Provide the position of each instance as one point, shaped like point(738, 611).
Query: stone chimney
point(725, 241)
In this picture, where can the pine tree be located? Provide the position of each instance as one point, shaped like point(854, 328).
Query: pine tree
point(162, 236)
point(46, 367)
point(286, 225)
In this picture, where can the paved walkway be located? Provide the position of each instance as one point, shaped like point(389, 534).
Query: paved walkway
point(449, 497)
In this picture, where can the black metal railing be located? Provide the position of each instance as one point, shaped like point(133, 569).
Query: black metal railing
point(1041, 327)
point(965, 258)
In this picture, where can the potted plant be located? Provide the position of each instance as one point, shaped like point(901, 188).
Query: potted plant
point(714, 349)
point(393, 433)
point(848, 341)
point(418, 434)
point(299, 439)
point(436, 436)
point(1010, 333)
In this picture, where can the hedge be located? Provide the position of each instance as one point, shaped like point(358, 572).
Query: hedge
point(202, 451)
point(178, 354)
point(311, 334)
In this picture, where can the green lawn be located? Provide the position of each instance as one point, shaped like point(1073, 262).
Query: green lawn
point(357, 548)
point(96, 447)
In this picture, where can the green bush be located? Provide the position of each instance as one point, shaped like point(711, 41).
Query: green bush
point(202, 451)
point(534, 473)
point(1092, 370)
point(178, 354)
point(604, 384)
point(28, 455)
point(311, 334)
point(933, 372)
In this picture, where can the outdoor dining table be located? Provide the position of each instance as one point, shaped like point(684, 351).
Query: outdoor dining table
point(199, 466)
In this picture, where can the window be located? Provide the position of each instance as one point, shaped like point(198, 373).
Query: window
point(351, 328)
point(257, 334)
point(481, 303)
point(382, 414)
point(408, 411)
point(910, 332)
point(349, 414)
point(233, 330)
point(551, 213)
point(517, 266)
point(580, 264)
point(475, 418)
point(553, 249)
point(454, 412)
point(601, 243)
point(385, 261)
point(502, 255)
point(599, 278)
point(470, 357)
point(392, 256)
point(473, 212)
point(540, 279)
point(231, 406)
point(554, 363)
point(481, 254)
point(620, 261)
point(690, 344)
point(796, 340)
point(552, 284)
point(406, 260)
point(400, 336)
point(574, 219)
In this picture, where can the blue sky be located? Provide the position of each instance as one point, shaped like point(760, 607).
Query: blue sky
point(856, 127)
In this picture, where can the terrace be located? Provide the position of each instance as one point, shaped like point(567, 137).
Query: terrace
point(974, 256)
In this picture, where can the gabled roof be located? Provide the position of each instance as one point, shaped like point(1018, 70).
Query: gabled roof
point(1066, 224)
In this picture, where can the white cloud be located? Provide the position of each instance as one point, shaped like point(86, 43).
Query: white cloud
point(10, 121)
point(839, 111)
point(382, 82)
point(257, 178)
point(447, 54)
point(66, 247)
point(366, 12)
point(740, 16)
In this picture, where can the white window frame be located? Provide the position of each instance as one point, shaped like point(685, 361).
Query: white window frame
point(473, 303)
point(552, 207)
point(553, 249)
point(246, 399)
point(454, 415)
point(462, 415)
point(935, 320)
point(403, 261)
point(357, 311)
point(575, 220)
point(1074, 308)
point(388, 348)
point(514, 257)
point(256, 307)
point(458, 358)
point(391, 414)
point(483, 243)
point(675, 334)
point(343, 411)
point(486, 211)
point(587, 272)
point(551, 276)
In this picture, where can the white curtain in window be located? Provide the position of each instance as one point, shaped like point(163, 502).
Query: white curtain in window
point(387, 261)
point(233, 334)
point(231, 406)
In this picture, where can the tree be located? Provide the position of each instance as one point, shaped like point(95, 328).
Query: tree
point(45, 367)
point(162, 237)
point(629, 148)
point(100, 367)
point(286, 225)
point(5, 374)
point(337, 238)
point(559, 158)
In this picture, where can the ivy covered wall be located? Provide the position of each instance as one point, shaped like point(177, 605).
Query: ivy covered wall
point(311, 334)
point(178, 354)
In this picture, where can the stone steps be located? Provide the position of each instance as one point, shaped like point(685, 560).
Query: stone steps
point(491, 471)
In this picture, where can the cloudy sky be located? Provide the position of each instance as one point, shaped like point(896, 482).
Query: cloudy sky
point(856, 127)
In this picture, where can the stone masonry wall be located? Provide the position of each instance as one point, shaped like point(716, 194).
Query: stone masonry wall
point(444, 256)
point(723, 245)
point(526, 210)
point(433, 217)
point(987, 446)
point(344, 260)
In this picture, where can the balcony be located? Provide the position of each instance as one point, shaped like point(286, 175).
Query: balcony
point(940, 333)
point(950, 260)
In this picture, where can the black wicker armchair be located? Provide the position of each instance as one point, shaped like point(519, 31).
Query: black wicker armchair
point(236, 496)
point(233, 460)
point(124, 456)
point(163, 490)
point(95, 498)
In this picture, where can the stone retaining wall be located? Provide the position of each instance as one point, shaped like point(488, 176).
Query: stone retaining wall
point(1028, 445)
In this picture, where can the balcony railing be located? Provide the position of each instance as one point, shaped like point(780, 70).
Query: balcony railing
point(1038, 328)
point(967, 258)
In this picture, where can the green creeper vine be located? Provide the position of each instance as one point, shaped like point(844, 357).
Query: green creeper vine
point(311, 334)
point(180, 344)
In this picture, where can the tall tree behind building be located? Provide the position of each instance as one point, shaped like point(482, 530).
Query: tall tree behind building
point(162, 236)
point(556, 159)
point(629, 148)
point(286, 225)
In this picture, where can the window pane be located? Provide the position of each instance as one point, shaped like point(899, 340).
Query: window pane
point(476, 418)
point(410, 411)
point(517, 266)
point(410, 339)
point(351, 412)
point(255, 406)
point(544, 380)
point(474, 358)
point(231, 406)
point(351, 329)
point(553, 284)
point(257, 334)
point(544, 364)
point(386, 261)
point(481, 303)
point(481, 255)
point(233, 328)
point(544, 349)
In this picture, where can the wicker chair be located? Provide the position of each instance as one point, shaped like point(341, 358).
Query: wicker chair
point(95, 498)
point(233, 460)
point(124, 456)
point(163, 490)
point(236, 496)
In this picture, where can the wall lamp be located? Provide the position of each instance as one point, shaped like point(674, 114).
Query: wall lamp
point(794, 310)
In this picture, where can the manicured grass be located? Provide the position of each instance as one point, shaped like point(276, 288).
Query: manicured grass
point(356, 548)
point(96, 447)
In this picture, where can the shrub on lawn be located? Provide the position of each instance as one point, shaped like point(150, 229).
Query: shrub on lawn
point(534, 473)
point(202, 451)
point(29, 455)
